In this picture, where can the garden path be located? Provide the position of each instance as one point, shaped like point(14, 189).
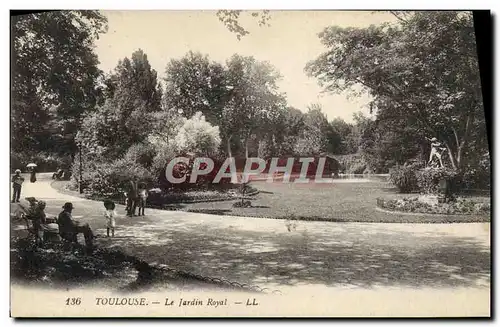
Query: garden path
point(317, 256)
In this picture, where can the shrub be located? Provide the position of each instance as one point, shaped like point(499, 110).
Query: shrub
point(428, 179)
point(195, 135)
point(142, 154)
point(459, 207)
point(352, 163)
point(109, 179)
point(357, 168)
point(478, 175)
point(404, 178)
point(198, 136)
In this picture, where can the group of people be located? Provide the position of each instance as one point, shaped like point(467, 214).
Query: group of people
point(68, 227)
point(136, 197)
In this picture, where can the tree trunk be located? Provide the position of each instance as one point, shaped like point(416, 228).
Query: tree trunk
point(450, 156)
point(459, 154)
point(229, 146)
point(246, 147)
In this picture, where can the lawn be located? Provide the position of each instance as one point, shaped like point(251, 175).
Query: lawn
point(342, 201)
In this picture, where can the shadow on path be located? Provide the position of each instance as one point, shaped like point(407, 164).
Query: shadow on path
point(350, 257)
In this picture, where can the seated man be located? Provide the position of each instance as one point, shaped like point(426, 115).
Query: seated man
point(69, 229)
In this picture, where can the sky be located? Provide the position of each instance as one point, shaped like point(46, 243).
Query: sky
point(288, 44)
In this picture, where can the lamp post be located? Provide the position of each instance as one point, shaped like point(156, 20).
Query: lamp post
point(81, 167)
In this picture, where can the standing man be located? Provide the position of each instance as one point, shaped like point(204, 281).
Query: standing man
point(17, 182)
point(133, 197)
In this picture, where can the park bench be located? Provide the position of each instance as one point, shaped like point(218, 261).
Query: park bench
point(50, 228)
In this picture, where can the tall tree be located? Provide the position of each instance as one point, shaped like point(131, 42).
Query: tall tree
point(194, 83)
point(317, 134)
point(342, 140)
point(126, 117)
point(136, 84)
point(288, 132)
point(254, 100)
point(54, 77)
point(423, 69)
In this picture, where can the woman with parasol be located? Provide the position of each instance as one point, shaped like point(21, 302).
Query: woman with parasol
point(32, 168)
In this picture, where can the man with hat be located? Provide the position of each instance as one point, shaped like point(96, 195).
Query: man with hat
point(17, 182)
point(69, 229)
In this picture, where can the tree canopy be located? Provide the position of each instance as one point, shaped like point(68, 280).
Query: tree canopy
point(55, 78)
point(422, 70)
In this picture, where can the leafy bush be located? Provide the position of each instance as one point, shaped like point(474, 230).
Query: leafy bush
point(109, 179)
point(458, 207)
point(162, 158)
point(195, 135)
point(356, 164)
point(142, 154)
point(404, 178)
point(198, 136)
point(478, 175)
point(428, 179)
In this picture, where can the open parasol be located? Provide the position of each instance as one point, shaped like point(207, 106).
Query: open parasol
point(31, 165)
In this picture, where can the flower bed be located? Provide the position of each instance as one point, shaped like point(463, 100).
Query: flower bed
point(158, 198)
point(412, 204)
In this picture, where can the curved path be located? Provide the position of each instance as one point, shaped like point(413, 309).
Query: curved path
point(320, 256)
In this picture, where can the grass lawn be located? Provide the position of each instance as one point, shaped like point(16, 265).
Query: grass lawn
point(345, 200)
point(342, 201)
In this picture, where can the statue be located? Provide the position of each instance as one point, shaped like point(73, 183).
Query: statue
point(436, 152)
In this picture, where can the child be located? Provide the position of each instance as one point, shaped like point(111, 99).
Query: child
point(143, 195)
point(110, 215)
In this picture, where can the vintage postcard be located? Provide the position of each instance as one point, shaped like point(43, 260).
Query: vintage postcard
point(228, 163)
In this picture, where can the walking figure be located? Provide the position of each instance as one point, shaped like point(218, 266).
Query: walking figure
point(33, 175)
point(436, 151)
point(17, 182)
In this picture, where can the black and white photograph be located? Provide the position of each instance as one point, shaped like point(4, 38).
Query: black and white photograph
point(249, 163)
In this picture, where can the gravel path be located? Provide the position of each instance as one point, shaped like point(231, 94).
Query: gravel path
point(292, 257)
